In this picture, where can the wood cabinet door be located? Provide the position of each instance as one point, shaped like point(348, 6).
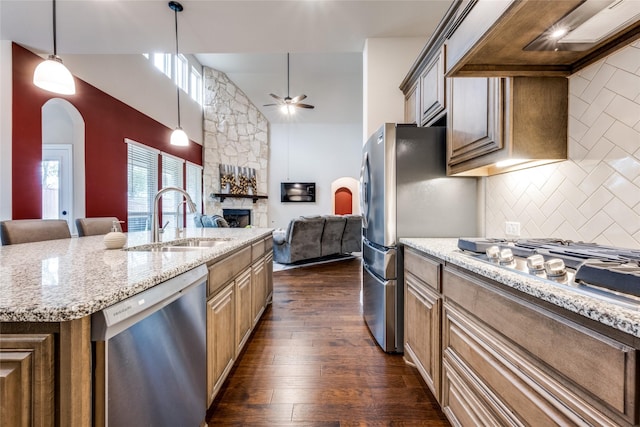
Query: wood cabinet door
point(432, 92)
point(259, 289)
point(412, 105)
point(473, 122)
point(221, 343)
point(244, 310)
point(27, 380)
point(268, 265)
point(422, 330)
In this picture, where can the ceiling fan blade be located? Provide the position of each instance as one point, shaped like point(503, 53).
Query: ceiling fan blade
point(298, 98)
point(303, 105)
point(270, 105)
point(276, 97)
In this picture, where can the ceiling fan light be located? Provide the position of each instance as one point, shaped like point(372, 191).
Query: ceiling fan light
point(288, 109)
point(53, 76)
point(179, 138)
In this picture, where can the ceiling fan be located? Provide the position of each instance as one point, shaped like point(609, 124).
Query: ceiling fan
point(288, 104)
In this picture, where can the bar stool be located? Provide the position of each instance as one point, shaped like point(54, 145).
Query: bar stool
point(96, 226)
point(33, 230)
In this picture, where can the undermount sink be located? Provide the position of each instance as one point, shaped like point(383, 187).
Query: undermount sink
point(191, 244)
point(201, 243)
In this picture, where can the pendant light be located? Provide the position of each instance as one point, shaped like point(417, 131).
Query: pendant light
point(178, 137)
point(51, 74)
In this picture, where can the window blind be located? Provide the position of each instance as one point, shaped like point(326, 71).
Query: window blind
point(194, 188)
point(172, 176)
point(142, 185)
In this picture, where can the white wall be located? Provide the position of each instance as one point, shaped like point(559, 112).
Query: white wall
point(319, 153)
point(5, 129)
point(595, 195)
point(134, 80)
point(385, 64)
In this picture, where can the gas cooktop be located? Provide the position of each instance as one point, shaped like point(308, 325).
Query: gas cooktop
point(575, 264)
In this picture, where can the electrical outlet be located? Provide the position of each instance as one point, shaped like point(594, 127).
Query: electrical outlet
point(512, 228)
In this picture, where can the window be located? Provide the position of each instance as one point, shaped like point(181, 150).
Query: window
point(182, 73)
point(172, 176)
point(142, 185)
point(194, 188)
point(178, 69)
point(196, 85)
point(162, 61)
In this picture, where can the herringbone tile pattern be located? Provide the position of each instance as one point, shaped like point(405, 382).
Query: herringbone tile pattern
point(595, 195)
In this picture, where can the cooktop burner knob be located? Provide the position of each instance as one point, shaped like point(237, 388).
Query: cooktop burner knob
point(493, 253)
point(506, 256)
point(555, 268)
point(535, 263)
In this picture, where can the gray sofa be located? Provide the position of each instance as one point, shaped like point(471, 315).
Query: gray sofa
point(316, 237)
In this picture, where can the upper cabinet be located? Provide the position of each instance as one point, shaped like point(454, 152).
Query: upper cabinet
point(494, 71)
point(520, 37)
point(497, 125)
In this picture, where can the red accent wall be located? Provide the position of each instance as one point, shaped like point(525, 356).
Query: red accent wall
point(108, 122)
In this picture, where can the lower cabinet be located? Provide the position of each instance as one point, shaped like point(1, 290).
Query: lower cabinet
point(259, 289)
point(422, 309)
point(27, 380)
point(238, 291)
point(221, 343)
point(507, 361)
point(244, 310)
point(495, 357)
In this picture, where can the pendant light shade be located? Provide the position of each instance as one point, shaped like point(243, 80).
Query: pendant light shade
point(51, 74)
point(178, 137)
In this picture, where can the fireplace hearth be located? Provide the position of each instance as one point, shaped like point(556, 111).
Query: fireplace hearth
point(237, 218)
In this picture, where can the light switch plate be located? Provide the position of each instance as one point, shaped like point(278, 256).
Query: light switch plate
point(512, 228)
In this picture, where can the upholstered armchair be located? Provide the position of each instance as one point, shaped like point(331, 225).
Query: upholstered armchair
point(207, 221)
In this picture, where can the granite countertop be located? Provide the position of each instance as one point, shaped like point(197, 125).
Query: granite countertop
point(60, 280)
point(619, 316)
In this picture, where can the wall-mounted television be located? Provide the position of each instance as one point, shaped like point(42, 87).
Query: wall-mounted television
point(298, 192)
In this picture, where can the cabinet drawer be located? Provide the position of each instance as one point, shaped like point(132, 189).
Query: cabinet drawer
point(424, 268)
point(564, 359)
point(222, 271)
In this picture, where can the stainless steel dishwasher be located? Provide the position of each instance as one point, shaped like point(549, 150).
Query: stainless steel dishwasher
point(150, 356)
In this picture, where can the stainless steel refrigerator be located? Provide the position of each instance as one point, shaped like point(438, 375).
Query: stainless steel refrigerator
point(405, 193)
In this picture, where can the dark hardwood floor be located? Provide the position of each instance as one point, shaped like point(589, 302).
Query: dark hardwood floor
point(312, 362)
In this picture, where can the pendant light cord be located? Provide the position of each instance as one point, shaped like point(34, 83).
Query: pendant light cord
point(287, 74)
point(55, 45)
point(175, 14)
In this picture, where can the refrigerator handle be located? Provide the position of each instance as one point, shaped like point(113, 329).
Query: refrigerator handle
point(364, 191)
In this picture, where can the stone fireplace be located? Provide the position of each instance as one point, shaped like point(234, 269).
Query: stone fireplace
point(237, 218)
point(236, 133)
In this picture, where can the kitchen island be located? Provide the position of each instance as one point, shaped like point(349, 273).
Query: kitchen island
point(49, 291)
point(498, 347)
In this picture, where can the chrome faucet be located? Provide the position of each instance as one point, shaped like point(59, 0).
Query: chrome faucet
point(155, 225)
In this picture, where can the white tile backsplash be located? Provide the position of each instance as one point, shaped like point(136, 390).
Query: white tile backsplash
point(595, 195)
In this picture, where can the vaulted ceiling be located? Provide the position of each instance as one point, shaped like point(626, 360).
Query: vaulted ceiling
point(247, 40)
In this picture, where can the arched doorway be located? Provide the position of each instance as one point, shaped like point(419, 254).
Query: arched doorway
point(343, 201)
point(63, 129)
point(345, 196)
